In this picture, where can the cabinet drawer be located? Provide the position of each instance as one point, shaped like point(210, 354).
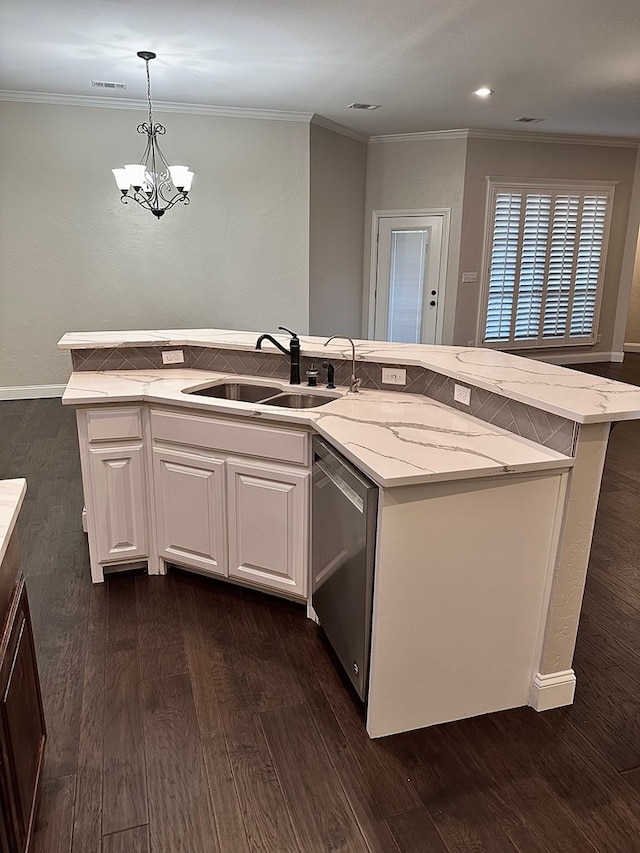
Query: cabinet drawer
point(231, 436)
point(109, 424)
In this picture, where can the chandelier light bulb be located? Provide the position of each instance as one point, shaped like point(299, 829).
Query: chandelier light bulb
point(152, 183)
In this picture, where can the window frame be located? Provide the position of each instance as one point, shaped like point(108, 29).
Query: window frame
point(497, 185)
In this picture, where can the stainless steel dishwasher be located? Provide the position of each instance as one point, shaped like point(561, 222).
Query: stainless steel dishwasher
point(344, 511)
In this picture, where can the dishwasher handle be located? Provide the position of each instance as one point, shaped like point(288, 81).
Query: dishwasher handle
point(340, 484)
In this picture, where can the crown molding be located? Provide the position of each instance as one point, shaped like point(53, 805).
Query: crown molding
point(562, 138)
point(510, 136)
point(328, 124)
point(159, 106)
point(426, 136)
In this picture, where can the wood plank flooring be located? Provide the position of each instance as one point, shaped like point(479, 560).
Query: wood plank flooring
point(190, 716)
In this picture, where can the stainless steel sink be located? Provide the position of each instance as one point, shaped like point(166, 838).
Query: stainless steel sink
point(245, 392)
point(299, 401)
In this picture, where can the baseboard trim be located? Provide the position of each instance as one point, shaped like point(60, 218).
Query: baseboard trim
point(553, 690)
point(631, 347)
point(577, 357)
point(30, 392)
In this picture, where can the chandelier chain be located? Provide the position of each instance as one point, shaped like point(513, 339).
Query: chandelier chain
point(149, 92)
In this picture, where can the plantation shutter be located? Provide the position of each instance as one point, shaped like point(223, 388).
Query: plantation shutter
point(544, 277)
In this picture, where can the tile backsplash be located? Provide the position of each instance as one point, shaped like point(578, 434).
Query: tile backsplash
point(547, 429)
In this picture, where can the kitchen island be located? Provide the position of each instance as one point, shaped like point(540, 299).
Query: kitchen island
point(485, 519)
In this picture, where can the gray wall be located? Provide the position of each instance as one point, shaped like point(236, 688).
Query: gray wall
point(75, 258)
point(416, 175)
point(632, 334)
point(504, 158)
point(338, 167)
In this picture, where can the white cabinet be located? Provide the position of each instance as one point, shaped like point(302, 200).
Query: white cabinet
point(231, 497)
point(268, 525)
point(117, 483)
point(115, 486)
point(189, 507)
point(219, 495)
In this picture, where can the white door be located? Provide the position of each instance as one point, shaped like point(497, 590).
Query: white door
point(268, 523)
point(189, 500)
point(117, 485)
point(409, 278)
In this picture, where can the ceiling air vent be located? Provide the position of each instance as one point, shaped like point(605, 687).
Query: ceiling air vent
point(104, 84)
point(528, 120)
point(357, 106)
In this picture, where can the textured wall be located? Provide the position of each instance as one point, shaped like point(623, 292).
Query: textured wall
point(418, 175)
point(507, 159)
point(632, 334)
point(338, 167)
point(74, 258)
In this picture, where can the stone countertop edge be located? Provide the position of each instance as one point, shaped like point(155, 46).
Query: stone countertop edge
point(394, 443)
point(12, 494)
point(543, 385)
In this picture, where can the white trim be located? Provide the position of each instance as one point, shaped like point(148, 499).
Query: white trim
point(159, 106)
point(30, 392)
point(376, 216)
point(545, 183)
point(553, 690)
point(631, 347)
point(427, 136)
point(574, 357)
point(321, 121)
point(509, 136)
point(561, 138)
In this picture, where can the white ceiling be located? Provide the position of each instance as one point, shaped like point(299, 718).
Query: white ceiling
point(575, 63)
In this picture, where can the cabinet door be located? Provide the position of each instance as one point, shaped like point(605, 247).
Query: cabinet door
point(22, 731)
point(189, 502)
point(268, 526)
point(118, 491)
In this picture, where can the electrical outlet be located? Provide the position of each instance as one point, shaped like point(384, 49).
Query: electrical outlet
point(462, 394)
point(394, 376)
point(174, 356)
point(469, 277)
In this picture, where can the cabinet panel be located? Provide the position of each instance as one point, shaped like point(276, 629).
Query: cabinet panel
point(231, 436)
point(190, 518)
point(117, 477)
point(110, 424)
point(21, 719)
point(268, 524)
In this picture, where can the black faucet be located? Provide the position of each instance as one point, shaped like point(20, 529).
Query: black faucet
point(293, 352)
point(330, 373)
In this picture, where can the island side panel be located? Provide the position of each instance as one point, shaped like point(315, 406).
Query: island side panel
point(555, 682)
point(461, 591)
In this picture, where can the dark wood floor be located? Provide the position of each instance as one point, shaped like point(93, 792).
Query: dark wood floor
point(186, 715)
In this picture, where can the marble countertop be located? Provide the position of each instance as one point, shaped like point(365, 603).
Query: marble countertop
point(577, 396)
point(397, 439)
point(12, 494)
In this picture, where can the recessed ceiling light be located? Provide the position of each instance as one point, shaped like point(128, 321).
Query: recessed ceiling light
point(356, 106)
point(483, 92)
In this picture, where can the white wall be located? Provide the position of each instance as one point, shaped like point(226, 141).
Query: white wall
point(75, 258)
point(338, 166)
point(418, 175)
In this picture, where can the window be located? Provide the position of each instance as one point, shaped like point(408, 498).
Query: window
point(545, 253)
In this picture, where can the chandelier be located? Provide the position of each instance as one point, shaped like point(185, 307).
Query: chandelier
point(153, 183)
